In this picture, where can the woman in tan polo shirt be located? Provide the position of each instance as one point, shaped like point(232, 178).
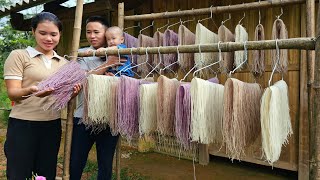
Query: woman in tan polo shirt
point(33, 135)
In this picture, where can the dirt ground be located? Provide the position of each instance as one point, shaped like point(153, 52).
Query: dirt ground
point(157, 166)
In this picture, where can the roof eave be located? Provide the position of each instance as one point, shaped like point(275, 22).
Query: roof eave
point(22, 5)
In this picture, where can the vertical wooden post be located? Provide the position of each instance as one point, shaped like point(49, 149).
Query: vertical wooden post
point(204, 154)
point(306, 81)
point(71, 104)
point(121, 15)
point(315, 145)
point(118, 149)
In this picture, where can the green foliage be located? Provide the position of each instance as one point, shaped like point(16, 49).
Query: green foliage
point(10, 39)
point(91, 166)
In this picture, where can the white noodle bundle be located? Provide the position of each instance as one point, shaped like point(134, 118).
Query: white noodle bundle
point(241, 35)
point(275, 120)
point(148, 108)
point(206, 111)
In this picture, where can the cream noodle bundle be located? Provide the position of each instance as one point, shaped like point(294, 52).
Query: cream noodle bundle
point(205, 36)
point(241, 35)
point(206, 110)
point(148, 108)
point(99, 102)
point(275, 120)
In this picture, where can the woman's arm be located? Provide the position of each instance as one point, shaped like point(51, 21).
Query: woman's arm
point(17, 93)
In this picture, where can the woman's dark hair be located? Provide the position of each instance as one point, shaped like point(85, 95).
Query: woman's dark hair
point(98, 19)
point(45, 16)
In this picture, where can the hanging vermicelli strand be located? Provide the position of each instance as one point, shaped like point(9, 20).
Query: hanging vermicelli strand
point(99, 104)
point(279, 31)
point(170, 38)
point(113, 105)
point(148, 108)
point(275, 120)
point(183, 115)
point(166, 96)
point(63, 82)
point(158, 41)
point(240, 35)
point(225, 35)
point(206, 110)
point(241, 116)
point(131, 41)
point(128, 122)
point(258, 67)
point(186, 37)
point(144, 41)
point(205, 36)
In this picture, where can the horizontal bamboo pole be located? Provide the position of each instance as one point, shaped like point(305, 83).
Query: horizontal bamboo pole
point(293, 43)
point(215, 10)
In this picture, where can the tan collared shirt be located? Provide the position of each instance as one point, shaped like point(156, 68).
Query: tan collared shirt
point(31, 67)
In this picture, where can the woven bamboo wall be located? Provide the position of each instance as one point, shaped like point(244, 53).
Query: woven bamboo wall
point(294, 18)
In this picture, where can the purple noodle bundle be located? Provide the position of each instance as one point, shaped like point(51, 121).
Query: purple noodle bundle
point(170, 38)
point(128, 124)
point(183, 115)
point(63, 82)
point(131, 41)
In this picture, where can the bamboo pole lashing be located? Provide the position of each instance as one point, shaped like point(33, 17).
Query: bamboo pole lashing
point(293, 43)
point(215, 10)
point(71, 104)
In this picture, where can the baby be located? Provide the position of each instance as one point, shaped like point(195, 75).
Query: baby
point(115, 39)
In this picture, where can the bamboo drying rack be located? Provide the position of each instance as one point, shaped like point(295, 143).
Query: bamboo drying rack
point(312, 171)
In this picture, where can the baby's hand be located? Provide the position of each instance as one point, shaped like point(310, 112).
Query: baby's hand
point(109, 73)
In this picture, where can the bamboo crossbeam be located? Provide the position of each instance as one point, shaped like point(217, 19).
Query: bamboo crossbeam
point(293, 43)
point(215, 10)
